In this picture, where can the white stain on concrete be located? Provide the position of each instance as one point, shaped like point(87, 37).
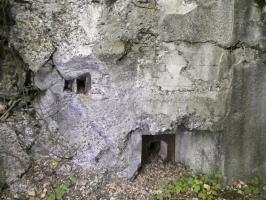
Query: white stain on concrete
point(180, 7)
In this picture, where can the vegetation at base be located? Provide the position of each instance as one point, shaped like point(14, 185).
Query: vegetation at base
point(252, 190)
point(209, 187)
point(60, 190)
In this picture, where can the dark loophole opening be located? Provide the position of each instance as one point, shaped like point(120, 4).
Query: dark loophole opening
point(154, 147)
point(81, 85)
point(162, 146)
point(84, 84)
point(68, 86)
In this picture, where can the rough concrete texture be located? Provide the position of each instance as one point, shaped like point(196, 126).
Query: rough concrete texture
point(200, 150)
point(188, 67)
point(14, 160)
point(245, 136)
point(12, 74)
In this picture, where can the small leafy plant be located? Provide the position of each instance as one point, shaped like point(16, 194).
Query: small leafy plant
point(241, 190)
point(253, 187)
point(207, 187)
point(63, 187)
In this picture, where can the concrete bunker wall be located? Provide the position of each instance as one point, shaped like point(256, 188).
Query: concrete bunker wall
point(205, 150)
point(201, 151)
point(162, 145)
point(198, 149)
point(79, 85)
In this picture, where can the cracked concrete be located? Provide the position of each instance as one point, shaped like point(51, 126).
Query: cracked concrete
point(157, 67)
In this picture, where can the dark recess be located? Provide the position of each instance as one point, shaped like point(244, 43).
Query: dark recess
point(68, 85)
point(110, 2)
point(81, 85)
point(152, 146)
point(261, 3)
point(84, 83)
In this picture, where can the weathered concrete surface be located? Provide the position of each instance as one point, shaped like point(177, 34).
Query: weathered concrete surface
point(156, 67)
point(206, 21)
point(201, 150)
point(249, 23)
point(12, 74)
point(14, 160)
point(245, 134)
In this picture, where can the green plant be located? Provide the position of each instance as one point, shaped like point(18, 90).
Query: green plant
point(63, 187)
point(254, 187)
point(183, 184)
point(208, 187)
point(245, 191)
point(167, 191)
point(205, 187)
